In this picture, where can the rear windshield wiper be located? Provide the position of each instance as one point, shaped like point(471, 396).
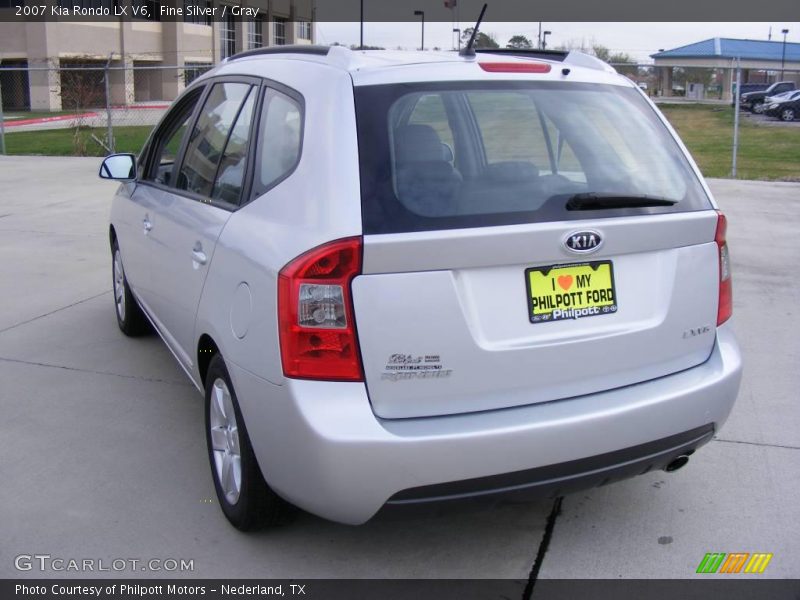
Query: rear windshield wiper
point(595, 201)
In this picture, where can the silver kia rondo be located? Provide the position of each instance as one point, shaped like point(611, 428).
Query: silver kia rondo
point(406, 277)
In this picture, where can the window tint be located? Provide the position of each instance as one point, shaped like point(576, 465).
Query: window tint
point(210, 136)
point(430, 110)
point(520, 151)
point(168, 140)
point(230, 175)
point(513, 130)
point(281, 125)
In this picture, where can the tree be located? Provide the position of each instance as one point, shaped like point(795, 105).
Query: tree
point(482, 40)
point(519, 42)
point(601, 52)
point(81, 87)
point(618, 59)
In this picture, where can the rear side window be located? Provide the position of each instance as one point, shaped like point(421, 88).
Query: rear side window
point(471, 154)
point(280, 138)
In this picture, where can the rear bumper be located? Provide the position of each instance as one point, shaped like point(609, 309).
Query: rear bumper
point(321, 447)
point(556, 480)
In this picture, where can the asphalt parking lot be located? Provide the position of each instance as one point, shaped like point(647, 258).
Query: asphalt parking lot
point(104, 451)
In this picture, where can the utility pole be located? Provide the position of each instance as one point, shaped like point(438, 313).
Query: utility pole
point(783, 53)
point(421, 14)
point(361, 43)
point(2, 124)
point(539, 44)
point(736, 116)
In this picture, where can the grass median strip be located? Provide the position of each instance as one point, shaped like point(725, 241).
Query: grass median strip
point(61, 142)
point(770, 152)
point(765, 152)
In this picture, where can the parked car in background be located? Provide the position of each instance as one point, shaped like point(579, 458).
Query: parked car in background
point(755, 100)
point(407, 277)
point(787, 108)
point(747, 88)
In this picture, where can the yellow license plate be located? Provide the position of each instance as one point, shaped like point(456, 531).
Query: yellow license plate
point(573, 291)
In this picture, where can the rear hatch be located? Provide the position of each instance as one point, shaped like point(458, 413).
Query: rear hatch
point(524, 242)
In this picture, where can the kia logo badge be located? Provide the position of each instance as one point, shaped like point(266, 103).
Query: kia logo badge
point(583, 242)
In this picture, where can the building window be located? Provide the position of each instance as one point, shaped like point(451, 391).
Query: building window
point(255, 33)
point(204, 19)
point(279, 32)
point(304, 30)
point(227, 36)
point(193, 70)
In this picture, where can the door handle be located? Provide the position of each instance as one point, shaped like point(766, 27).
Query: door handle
point(146, 224)
point(199, 256)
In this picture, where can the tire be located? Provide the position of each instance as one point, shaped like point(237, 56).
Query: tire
point(244, 496)
point(758, 107)
point(788, 114)
point(130, 318)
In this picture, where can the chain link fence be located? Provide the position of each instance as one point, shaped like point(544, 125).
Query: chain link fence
point(105, 107)
point(99, 107)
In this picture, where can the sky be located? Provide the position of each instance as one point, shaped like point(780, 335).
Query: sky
point(639, 40)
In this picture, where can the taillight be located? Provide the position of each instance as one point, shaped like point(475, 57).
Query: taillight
point(725, 308)
point(315, 313)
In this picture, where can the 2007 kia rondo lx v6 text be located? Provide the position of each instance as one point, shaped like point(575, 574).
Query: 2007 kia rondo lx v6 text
point(402, 277)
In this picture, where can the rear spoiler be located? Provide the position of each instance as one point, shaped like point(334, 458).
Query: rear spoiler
point(557, 55)
point(572, 57)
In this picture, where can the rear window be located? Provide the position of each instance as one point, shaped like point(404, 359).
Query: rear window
point(472, 154)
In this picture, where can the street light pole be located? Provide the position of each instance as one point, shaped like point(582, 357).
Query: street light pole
point(783, 53)
point(421, 13)
point(544, 39)
point(457, 31)
point(539, 45)
point(361, 44)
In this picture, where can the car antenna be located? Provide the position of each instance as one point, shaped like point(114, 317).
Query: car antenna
point(468, 50)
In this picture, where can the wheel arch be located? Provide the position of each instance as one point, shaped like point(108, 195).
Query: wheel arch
point(206, 349)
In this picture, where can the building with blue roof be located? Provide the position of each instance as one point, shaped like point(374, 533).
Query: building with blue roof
point(761, 61)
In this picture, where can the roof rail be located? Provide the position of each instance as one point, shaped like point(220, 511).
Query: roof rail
point(290, 49)
point(557, 55)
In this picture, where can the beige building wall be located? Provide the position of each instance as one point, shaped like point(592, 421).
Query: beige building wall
point(136, 43)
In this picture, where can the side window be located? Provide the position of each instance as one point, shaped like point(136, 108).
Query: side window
point(566, 163)
point(430, 111)
point(168, 140)
point(208, 140)
point(280, 138)
point(518, 138)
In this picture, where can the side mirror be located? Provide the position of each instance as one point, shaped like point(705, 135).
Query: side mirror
point(119, 166)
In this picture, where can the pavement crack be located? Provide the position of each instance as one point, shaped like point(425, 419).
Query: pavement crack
point(52, 312)
point(786, 447)
point(543, 546)
point(93, 372)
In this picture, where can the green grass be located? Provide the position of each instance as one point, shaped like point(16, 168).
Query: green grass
point(61, 142)
point(765, 152)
